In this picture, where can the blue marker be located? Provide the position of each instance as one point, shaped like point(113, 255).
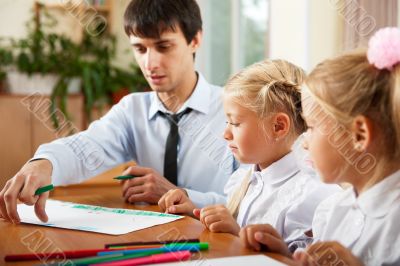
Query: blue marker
point(167, 248)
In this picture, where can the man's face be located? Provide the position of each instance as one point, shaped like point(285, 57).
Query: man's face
point(166, 62)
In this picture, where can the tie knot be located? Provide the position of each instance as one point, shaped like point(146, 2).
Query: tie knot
point(175, 117)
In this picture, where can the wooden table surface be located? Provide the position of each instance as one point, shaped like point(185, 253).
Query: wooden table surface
point(25, 238)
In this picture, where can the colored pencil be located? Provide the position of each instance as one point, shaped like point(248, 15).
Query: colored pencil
point(160, 258)
point(110, 258)
point(167, 248)
point(69, 254)
point(195, 240)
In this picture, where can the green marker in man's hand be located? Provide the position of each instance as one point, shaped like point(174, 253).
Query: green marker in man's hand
point(124, 177)
point(44, 189)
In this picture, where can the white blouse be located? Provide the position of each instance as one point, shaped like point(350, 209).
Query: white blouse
point(282, 195)
point(368, 225)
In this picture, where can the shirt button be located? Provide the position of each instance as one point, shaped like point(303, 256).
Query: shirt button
point(358, 222)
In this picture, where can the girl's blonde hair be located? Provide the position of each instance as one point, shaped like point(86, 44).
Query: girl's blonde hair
point(349, 85)
point(267, 87)
point(270, 86)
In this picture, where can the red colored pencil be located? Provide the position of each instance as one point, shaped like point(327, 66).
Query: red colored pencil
point(69, 254)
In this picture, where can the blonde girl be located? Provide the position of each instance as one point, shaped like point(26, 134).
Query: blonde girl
point(352, 108)
point(263, 110)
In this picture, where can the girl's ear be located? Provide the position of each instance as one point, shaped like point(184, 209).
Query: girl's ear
point(281, 125)
point(362, 132)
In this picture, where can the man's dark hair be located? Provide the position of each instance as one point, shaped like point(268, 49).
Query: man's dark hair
point(150, 18)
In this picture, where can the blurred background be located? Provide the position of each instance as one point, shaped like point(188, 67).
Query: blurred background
point(63, 63)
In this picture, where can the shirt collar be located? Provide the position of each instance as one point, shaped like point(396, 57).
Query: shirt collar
point(198, 101)
point(279, 171)
point(378, 200)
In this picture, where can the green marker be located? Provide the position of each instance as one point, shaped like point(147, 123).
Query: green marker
point(200, 245)
point(111, 258)
point(44, 189)
point(124, 177)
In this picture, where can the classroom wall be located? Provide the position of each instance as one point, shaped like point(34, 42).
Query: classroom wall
point(304, 31)
point(13, 15)
point(288, 31)
point(124, 51)
point(326, 31)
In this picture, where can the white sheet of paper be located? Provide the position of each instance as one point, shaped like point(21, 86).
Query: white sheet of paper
point(94, 218)
point(253, 260)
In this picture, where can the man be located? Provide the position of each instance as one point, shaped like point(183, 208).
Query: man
point(173, 131)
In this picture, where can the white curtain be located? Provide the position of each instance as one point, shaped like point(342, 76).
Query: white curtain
point(364, 17)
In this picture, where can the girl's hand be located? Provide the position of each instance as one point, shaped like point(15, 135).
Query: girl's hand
point(255, 236)
point(176, 201)
point(217, 219)
point(326, 253)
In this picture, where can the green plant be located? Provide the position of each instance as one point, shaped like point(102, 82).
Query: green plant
point(42, 52)
point(99, 77)
point(90, 60)
point(46, 53)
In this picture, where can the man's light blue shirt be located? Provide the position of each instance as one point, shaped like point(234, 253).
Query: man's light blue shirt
point(134, 130)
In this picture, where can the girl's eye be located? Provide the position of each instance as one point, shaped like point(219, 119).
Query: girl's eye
point(233, 124)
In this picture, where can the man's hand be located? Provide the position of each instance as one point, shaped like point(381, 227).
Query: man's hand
point(326, 253)
point(254, 236)
point(176, 201)
point(218, 219)
point(147, 185)
point(22, 186)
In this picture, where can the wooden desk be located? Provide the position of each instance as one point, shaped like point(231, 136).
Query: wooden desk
point(52, 239)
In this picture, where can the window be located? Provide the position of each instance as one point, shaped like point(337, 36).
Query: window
point(235, 34)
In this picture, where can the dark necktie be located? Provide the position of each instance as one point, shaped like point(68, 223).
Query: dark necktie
point(171, 147)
